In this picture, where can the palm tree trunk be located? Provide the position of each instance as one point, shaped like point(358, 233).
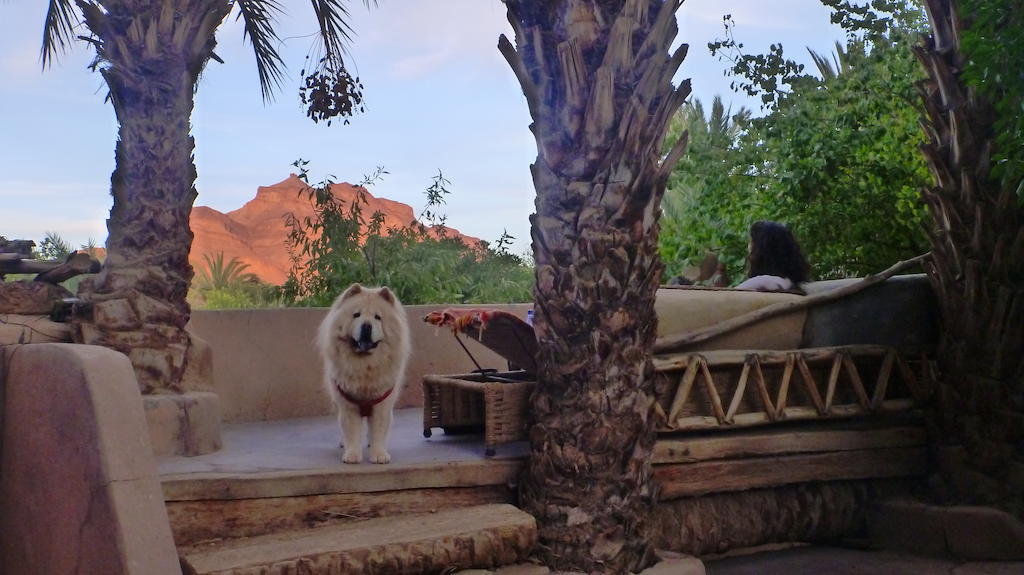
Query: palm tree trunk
point(138, 303)
point(977, 242)
point(597, 77)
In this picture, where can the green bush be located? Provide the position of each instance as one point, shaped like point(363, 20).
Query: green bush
point(422, 262)
point(226, 285)
point(834, 157)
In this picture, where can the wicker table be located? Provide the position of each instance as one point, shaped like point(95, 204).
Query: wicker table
point(495, 402)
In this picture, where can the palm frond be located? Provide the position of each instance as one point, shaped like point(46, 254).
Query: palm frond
point(825, 68)
point(58, 32)
point(333, 16)
point(259, 17)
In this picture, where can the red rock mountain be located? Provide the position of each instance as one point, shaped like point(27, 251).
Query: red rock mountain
point(256, 232)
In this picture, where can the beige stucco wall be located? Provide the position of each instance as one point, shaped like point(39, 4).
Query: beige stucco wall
point(79, 491)
point(683, 310)
point(266, 367)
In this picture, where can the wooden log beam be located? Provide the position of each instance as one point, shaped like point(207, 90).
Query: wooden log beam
point(679, 342)
point(759, 418)
point(761, 443)
point(27, 266)
point(76, 264)
point(766, 357)
point(718, 476)
point(50, 271)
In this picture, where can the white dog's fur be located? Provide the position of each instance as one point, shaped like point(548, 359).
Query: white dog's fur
point(364, 342)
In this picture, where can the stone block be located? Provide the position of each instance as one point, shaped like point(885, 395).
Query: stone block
point(983, 533)
point(16, 329)
point(198, 366)
point(965, 532)
point(115, 314)
point(183, 424)
point(30, 297)
point(676, 566)
point(907, 526)
point(152, 310)
point(483, 536)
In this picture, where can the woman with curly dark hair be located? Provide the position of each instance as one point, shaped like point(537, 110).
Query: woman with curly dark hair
point(776, 261)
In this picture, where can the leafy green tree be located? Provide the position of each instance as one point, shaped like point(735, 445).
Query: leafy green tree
point(834, 156)
point(151, 54)
point(838, 161)
point(420, 261)
point(707, 201)
point(993, 46)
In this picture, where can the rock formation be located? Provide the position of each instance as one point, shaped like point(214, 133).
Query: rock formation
point(256, 233)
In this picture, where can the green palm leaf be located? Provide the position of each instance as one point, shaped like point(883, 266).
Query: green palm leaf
point(259, 17)
point(335, 32)
point(58, 32)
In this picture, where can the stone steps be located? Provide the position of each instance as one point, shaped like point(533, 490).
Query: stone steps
point(482, 536)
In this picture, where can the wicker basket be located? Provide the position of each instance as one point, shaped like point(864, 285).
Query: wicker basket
point(494, 402)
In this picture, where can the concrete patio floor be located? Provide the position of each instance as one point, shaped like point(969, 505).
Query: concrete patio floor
point(313, 444)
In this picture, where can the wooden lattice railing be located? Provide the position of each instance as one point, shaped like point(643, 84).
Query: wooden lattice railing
point(768, 386)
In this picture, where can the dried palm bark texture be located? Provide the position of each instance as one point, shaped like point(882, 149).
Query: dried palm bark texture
point(815, 511)
point(978, 271)
point(150, 54)
point(597, 76)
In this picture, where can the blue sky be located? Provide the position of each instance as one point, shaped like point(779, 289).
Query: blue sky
point(439, 97)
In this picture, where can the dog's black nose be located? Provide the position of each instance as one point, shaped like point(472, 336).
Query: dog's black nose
point(365, 343)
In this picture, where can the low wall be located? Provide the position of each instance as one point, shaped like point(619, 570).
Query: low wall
point(79, 491)
point(266, 367)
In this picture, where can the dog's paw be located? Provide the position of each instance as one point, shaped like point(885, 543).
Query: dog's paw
point(380, 456)
point(352, 456)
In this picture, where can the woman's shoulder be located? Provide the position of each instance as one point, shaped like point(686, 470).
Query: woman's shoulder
point(767, 283)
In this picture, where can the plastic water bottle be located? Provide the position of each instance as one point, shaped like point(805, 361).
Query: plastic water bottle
point(529, 316)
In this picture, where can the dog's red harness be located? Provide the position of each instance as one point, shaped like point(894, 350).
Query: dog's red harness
point(365, 405)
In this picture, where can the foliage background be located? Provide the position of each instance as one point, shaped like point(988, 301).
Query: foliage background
point(834, 155)
point(421, 262)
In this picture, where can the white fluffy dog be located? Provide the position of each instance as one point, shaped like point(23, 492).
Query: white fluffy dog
point(364, 341)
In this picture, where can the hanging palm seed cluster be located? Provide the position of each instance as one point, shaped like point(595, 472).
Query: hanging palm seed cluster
point(330, 91)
